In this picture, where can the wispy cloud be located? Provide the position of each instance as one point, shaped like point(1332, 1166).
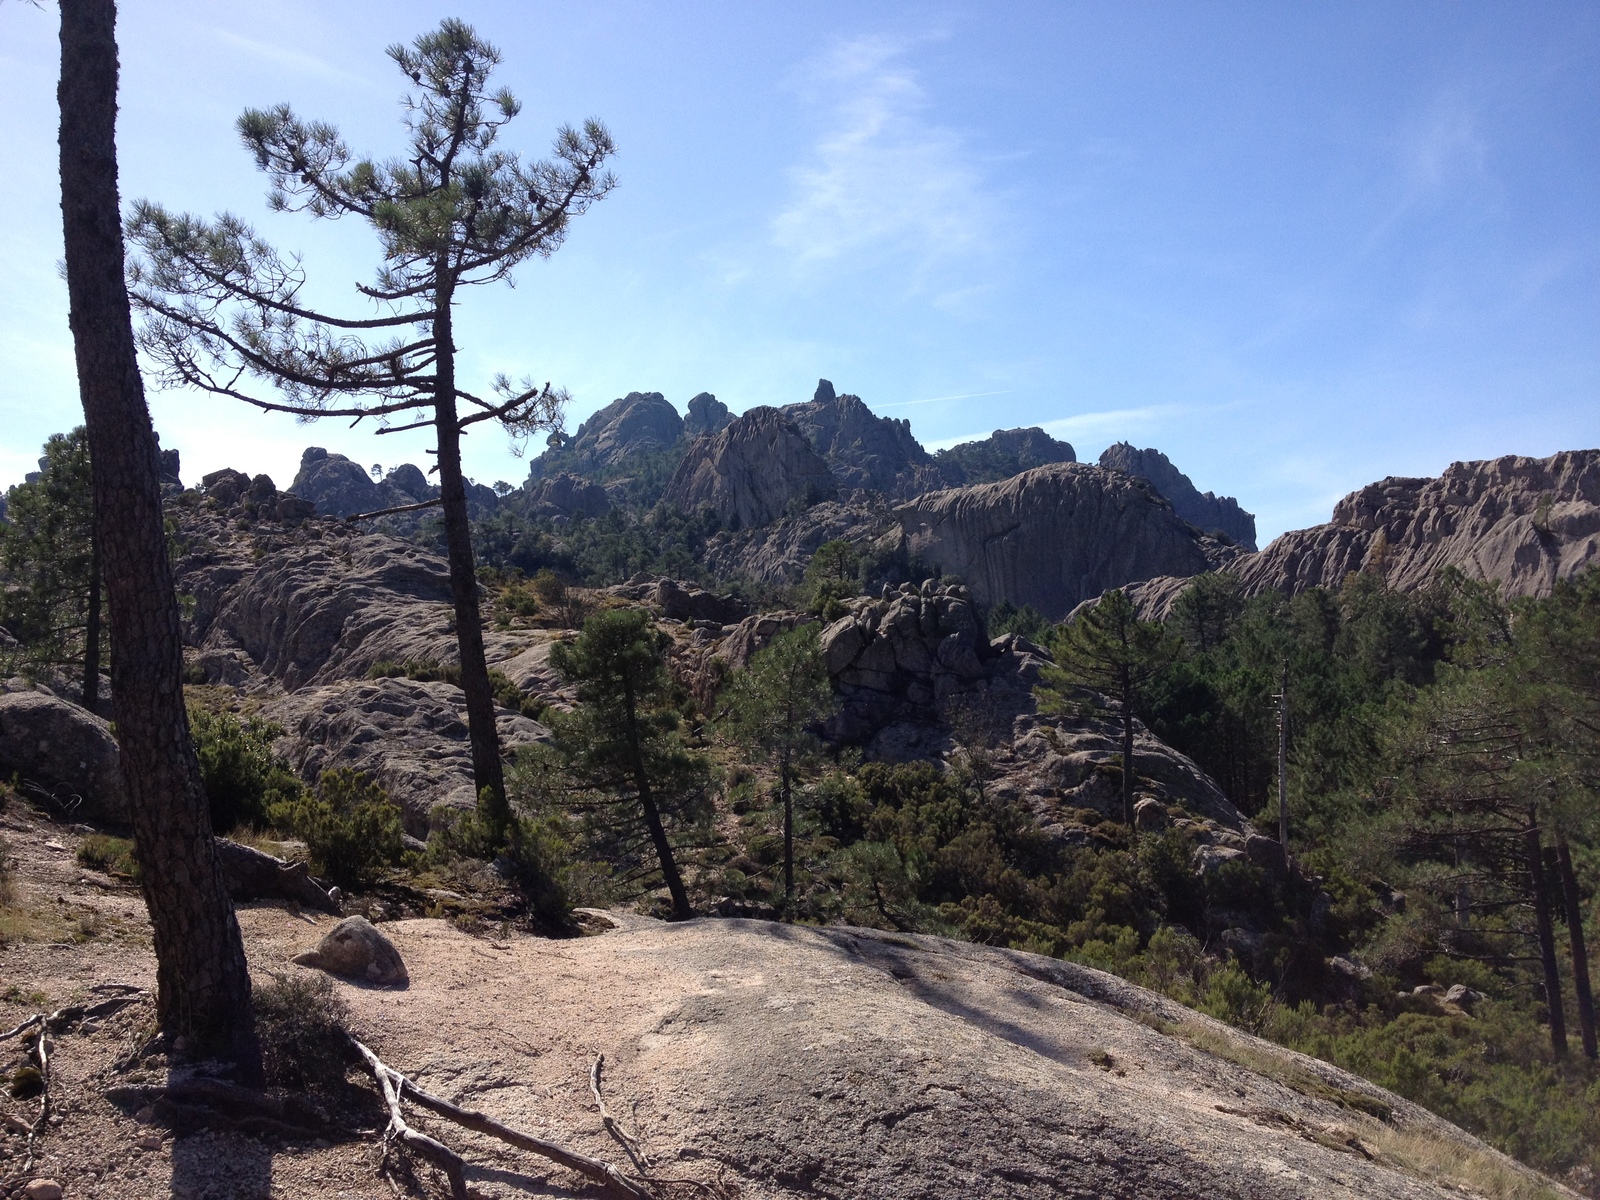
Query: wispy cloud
point(883, 179)
point(1438, 150)
point(294, 60)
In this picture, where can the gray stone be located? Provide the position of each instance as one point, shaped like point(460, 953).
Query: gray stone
point(66, 752)
point(355, 949)
point(1052, 537)
point(1462, 996)
point(751, 472)
point(1150, 815)
point(707, 415)
point(1209, 858)
point(1264, 852)
point(1212, 513)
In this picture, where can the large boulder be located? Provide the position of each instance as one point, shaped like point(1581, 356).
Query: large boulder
point(63, 751)
point(1004, 453)
point(707, 415)
point(1214, 514)
point(409, 736)
point(751, 472)
point(863, 449)
point(567, 495)
point(1053, 536)
point(355, 949)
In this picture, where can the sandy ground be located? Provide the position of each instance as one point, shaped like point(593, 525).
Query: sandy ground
point(778, 1061)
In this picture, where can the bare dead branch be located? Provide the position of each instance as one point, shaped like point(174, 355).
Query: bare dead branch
point(613, 1126)
point(591, 1168)
point(384, 512)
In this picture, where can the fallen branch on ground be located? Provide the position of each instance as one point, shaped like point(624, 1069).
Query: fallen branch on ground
point(395, 1085)
point(252, 875)
point(436, 1152)
point(613, 1126)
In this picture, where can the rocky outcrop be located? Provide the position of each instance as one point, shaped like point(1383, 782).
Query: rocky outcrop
point(1522, 523)
point(63, 754)
point(1004, 453)
point(778, 553)
point(683, 601)
point(339, 487)
point(707, 415)
point(1054, 536)
point(567, 495)
point(751, 472)
point(638, 423)
point(238, 495)
point(862, 449)
point(1212, 513)
point(409, 736)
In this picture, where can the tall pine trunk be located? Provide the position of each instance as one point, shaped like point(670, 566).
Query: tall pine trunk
point(1547, 939)
point(488, 774)
point(1573, 905)
point(682, 910)
point(203, 985)
point(91, 632)
point(1127, 745)
point(785, 772)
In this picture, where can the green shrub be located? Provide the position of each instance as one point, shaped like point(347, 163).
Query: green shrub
point(113, 855)
point(535, 859)
point(350, 826)
point(386, 669)
point(243, 778)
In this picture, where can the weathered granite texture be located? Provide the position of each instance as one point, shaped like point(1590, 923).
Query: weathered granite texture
point(1054, 536)
point(1214, 514)
point(752, 472)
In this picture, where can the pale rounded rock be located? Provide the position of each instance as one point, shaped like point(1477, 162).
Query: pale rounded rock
point(42, 1189)
point(355, 949)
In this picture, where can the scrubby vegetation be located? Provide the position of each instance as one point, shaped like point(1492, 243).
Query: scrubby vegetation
point(1398, 893)
point(350, 826)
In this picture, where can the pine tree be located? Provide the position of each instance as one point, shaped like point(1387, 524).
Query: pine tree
point(202, 978)
point(1109, 651)
point(621, 743)
point(51, 603)
point(771, 707)
point(222, 306)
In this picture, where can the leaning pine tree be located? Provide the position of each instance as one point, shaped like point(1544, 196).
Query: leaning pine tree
point(1109, 651)
point(222, 307)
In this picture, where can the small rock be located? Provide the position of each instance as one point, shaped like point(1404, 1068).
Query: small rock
point(1462, 996)
point(42, 1189)
point(146, 1115)
point(1150, 815)
point(148, 1141)
point(355, 949)
point(1427, 989)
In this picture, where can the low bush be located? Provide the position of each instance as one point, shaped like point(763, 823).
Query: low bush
point(113, 855)
point(243, 777)
point(350, 826)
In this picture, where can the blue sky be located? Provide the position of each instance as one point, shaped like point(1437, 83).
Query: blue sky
point(1296, 247)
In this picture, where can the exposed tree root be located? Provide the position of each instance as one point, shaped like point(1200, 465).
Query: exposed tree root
point(395, 1085)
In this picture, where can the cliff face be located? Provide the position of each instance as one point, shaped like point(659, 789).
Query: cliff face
point(1214, 514)
point(637, 423)
point(1054, 536)
point(1520, 522)
point(751, 471)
